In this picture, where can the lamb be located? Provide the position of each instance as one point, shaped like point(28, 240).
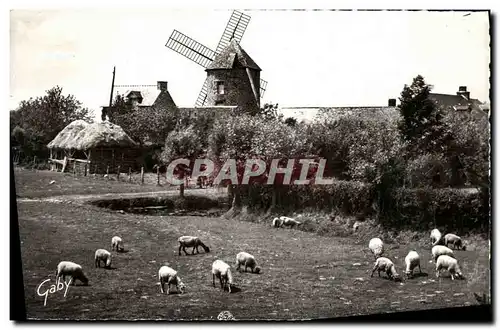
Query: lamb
point(247, 260)
point(412, 260)
point(435, 236)
point(440, 250)
point(385, 264)
point(117, 244)
point(169, 276)
point(222, 271)
point(278, 223)
point(73, 270)
point(191, 241)
point(376, 246)
point(454, 240)
point(286, 221)
point(450, 264)
point(102, 255)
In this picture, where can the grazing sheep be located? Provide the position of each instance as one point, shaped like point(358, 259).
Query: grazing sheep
point(169, 276)
point(454, 240)
point(102, 255)
point(191, 241)
point(290, 222)
point(117, 244)
point(450, 264)
point(440, 250)
point(247, 260)
point(385, 264)
point(73, 270)
point(222, 271)
point(376, 246)
point(435, 236)
point(277, 223)
point(412, 260)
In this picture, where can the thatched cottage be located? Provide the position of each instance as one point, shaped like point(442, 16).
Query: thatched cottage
point(95, 147)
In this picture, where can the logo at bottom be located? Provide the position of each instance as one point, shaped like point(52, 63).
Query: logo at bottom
point(225, 316)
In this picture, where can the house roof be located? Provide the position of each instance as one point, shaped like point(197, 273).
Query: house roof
point(149, 94)
point(232, 55)
point(458, 103)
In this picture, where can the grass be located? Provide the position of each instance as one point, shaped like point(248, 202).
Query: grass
point(304, 275)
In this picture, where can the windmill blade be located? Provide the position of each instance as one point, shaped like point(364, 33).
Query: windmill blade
point(263, 85)
point(235, 29)
point(190, 48)
point(202, 97)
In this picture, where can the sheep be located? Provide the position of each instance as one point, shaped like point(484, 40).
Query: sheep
point(286, 221)
point(450, 264)
point(169, 276)
point(222, 271)
point(435, 236)
point(117, 244)
point(440, 250)
point(247, 260)
point(277, 223)
point(454, 240)
point(376, 246)
point(412, 260)
point(102, 255)
point(191, 241)
point(385, 264)
point(73, 270)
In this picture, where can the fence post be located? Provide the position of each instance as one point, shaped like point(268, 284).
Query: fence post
point(129, 174)
point(74, 168)
point(34, 163)
point(118, 175)
point(85, 170)
point(158, 175)
point(95, 169)
point(142, 175)
point(107, 172)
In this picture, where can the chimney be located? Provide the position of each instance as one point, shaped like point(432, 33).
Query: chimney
point(462, 91)
point(392, 102)
point(162, 85)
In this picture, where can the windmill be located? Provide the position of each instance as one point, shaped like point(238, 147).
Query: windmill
point(203, 55)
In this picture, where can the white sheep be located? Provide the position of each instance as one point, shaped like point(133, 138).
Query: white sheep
point(412, 260)
point(435, 236)
point(278, 223)
point(247, 260)
point(450, 264)
point(376, 246)
point(289, 222)
point(73, 270)
point(102, 255)
point(222, 271)
point(440, 250)
point(169, 276)
point(385, 264)
point(191, 241)
point(454, 240)
point(117, 244)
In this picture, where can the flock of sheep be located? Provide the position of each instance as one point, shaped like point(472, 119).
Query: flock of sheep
point(442, 255)
point(166, 275)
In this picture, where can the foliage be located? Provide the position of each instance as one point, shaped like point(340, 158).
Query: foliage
point(269, 111)
point(291, 121)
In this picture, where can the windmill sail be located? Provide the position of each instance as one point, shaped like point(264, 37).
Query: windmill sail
point(202, 97)
point(234, 30)
point(263, 85)
point(190, 48)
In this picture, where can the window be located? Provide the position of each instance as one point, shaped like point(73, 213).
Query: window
point(220, 87)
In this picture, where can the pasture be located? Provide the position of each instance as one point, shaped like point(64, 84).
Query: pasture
point(304, 275)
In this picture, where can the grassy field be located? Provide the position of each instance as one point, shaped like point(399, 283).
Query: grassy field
point(305, 276)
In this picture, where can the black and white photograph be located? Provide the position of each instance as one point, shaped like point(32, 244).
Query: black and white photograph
point(235, 164)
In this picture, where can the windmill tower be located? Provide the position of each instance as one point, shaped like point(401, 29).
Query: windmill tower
point(204, 56)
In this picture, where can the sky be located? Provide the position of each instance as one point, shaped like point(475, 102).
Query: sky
point(309, 58)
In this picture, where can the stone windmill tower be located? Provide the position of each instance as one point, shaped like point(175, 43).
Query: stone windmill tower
point(233, 79)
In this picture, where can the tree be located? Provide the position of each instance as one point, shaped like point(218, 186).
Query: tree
point(42, 118)
point(422, 123)
point(270, 111)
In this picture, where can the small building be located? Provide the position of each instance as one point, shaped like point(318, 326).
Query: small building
point(461, 102)
point(94, 148)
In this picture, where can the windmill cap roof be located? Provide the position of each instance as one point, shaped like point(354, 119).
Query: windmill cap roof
point(231, 55)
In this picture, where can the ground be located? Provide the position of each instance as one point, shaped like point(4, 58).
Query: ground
point(304, 275)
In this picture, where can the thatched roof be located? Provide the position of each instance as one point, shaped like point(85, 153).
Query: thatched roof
point(80, 135)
